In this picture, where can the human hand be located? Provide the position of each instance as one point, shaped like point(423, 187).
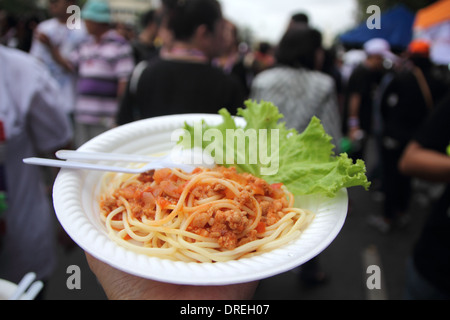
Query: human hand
point(119, 285)
point(42, 37)
point(355, 133)
point(54, 50)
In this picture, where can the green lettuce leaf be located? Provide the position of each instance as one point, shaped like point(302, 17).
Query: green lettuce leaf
point(304, 162)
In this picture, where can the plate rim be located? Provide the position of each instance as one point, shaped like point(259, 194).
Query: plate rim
point(95, 249)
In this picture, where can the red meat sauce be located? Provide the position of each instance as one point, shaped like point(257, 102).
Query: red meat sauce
point(164, 188)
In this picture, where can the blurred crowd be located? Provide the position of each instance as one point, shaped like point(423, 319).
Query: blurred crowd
point(65, 86)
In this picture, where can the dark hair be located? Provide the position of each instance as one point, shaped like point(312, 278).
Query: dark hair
point(300, 17)
point(264, 47)
point(298, 47)
point(185, 16)
point(147, 18)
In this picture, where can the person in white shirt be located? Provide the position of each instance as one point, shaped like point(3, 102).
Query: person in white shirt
point(54, 42)
point(33, 122)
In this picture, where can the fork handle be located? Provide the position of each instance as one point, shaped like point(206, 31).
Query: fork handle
point(76, 165)
point(99, 156)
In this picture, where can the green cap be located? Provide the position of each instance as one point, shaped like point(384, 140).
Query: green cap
point(97, 11)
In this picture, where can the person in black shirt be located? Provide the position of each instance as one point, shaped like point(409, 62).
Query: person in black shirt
point(182, 79)
point(406, 102)
point(144, 48)
point(427, 157)
point(360, 92)
point(232, 60)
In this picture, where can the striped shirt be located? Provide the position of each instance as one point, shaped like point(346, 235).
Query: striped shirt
point(101, 66)
point(300, 94)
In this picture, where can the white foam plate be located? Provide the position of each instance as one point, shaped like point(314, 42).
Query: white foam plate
point(75, 196)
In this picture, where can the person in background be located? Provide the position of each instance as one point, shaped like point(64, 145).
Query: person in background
point(53, 43)
point(427, 156)
point(104, 65)
point(33, 122)
point(144, 47)
point(407, 99)
point(182, 79)
point(262, 58)
point(299, 20)
point(360, 93)
point(8, 29)
point(17, 31)
point(232, 60)
point(296, 87)
point(26, 31)
point(126, 30)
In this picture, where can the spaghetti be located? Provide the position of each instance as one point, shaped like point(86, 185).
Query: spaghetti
point(209, 215)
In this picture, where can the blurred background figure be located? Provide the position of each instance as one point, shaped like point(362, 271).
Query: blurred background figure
point(126, 30)
point(53, 43)
point(299, 20)
point(145, 47)
point(33, 122)
point(17, 31)
point(406, 101)
point(360, 94)
point(350, 60)
point(232, 60)
point(296, 86)
point(26, 31)
point(427, 156)
point(104, 65)
point(182, 79)
point(8, 30)
point(261, 58)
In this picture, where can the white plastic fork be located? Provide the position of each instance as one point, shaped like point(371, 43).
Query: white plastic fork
point(152, 162)
point(99, 156)
point(27, 282)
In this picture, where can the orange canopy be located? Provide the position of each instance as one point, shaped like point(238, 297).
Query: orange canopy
point(433, 14)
